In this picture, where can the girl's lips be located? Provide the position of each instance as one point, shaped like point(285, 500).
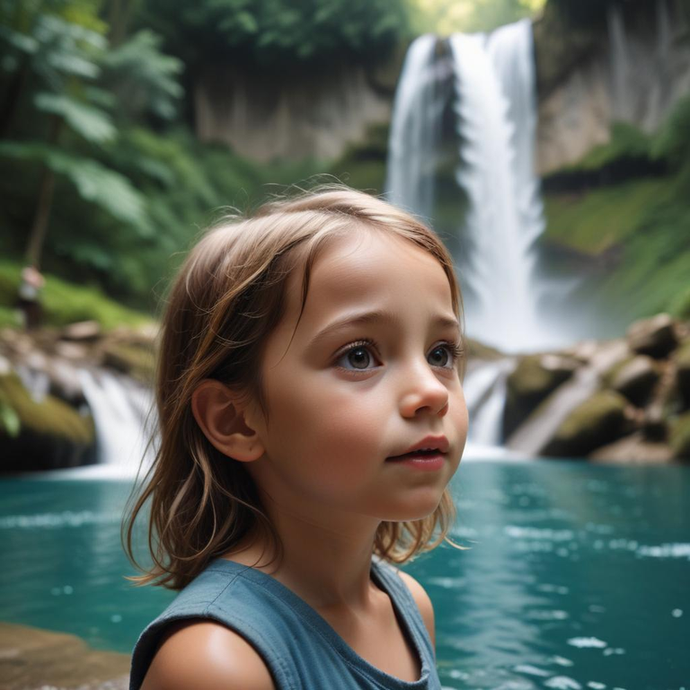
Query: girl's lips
point(420, 461)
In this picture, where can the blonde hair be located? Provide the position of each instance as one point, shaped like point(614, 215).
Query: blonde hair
point(226, 299)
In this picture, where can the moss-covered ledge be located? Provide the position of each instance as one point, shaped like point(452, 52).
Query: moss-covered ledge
point(48, 433)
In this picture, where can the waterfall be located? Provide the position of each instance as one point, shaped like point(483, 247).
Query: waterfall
point(120, 408)
point(485, 392)
point(620, 63)
point(415, 130)
point(496, 121)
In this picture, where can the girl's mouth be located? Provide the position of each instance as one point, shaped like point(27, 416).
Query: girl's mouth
point(420, 459)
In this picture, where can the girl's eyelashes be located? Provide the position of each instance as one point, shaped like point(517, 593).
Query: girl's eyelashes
point(361, 355)
point(358, 355)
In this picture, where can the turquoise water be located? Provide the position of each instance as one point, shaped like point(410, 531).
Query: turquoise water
point(577, 576)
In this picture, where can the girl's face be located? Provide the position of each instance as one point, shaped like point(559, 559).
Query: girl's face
point(367, 374)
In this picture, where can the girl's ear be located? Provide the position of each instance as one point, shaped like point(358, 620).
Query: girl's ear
point(222, 418)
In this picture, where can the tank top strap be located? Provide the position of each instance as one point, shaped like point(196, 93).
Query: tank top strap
point(405, 605)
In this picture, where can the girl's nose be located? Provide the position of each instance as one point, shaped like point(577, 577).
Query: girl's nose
point(423, 394)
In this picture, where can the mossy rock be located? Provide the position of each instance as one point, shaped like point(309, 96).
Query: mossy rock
point(682, 360)
point(637, 379)
point(530, 383)
point(135, 360)
point(611, 374)
point(596, 422)
point(680, 437)
point(49, 434)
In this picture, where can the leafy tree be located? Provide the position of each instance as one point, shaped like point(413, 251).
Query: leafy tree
point(57, 50)
point(278, 32)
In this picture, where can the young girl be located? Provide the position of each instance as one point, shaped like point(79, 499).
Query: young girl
point(311, 416)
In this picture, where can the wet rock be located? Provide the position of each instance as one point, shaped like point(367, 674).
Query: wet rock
point(636, 379)
point(633, 450)
point(135, 360)
point(531, 382)
point(680, 437)
point(682, 362)
point(72, 351)
point(598, 421)
point(36, 659)
point(82, 331)
point(655, 337)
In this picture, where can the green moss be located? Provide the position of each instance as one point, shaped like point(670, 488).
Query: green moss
point(50, 417)
point(595, 412)
point(595, 221)
point(627, 142)
point(64, 302)
point(9, 318)
point(135, 360)
point(363, 165)
point(609, 376)
point(680, 437)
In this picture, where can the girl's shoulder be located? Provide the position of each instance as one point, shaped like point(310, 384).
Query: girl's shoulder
point(206, 655)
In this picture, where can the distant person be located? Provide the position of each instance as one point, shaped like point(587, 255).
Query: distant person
point(29, 297)
point(311, 416)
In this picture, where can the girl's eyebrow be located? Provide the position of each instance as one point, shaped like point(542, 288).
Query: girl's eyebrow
point(373, 316)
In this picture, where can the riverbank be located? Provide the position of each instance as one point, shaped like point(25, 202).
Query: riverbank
point(30, 658)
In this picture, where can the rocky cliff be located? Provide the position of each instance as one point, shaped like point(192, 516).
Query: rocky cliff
point(634, 70)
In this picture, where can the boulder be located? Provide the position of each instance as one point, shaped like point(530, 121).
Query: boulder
point(531, 382)
point(655, 337)
point(598, 421)
point(135, 360)
point(48, 434)
point(83, 331)
point(634, 449)
point(682, 362)
point(636, 379)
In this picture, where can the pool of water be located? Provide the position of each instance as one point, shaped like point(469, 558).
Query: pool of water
point(575, 576)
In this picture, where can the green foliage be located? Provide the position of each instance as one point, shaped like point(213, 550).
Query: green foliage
point(638, 227)
point(144, 79)
point(278, 32)
point(95, 183)
point(91, 123)
point(627, 142)
point(65, 303)
point(445, 17)
point(595, 221)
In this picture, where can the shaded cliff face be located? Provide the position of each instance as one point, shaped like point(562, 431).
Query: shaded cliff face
point(633, 70)
point(293, 115)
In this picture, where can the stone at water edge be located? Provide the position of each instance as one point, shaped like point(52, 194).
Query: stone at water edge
point(655, 337)
point(598, 421)
point(531, 382)
point(34, 658)
point(633, 450)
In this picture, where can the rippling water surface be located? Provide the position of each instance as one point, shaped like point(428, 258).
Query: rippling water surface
point(575, 576)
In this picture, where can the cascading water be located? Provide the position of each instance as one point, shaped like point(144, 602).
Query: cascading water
point(496, 121)
point(415, 130)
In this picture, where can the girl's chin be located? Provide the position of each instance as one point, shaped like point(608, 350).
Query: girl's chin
point(412, 511)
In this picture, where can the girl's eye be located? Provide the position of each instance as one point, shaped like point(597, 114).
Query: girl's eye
point(445, 355)
point(357, 357)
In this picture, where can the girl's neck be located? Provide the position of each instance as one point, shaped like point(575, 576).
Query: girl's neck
point(327, 566)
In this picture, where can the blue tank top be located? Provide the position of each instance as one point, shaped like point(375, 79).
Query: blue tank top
point(302, 651)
